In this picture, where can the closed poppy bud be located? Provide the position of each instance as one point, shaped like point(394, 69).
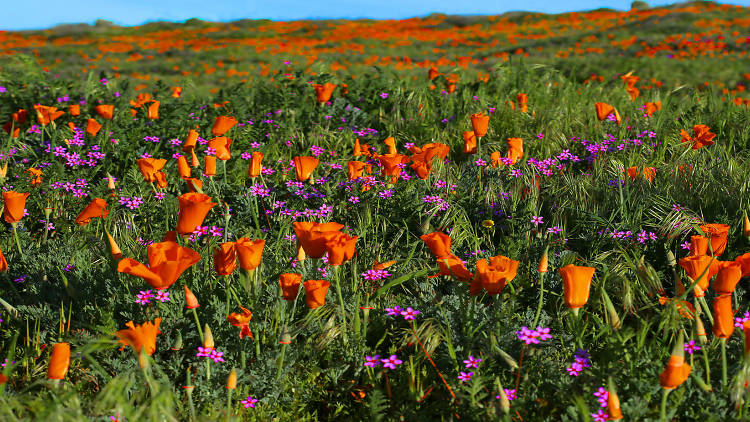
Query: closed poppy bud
point(92, 127)
point(727, 279)
point(543, 263)
point(225, 258)
point(113, 247)
point(576, 284)
point(717, 235)
point(96, 208)
point(391, 144)
point(208, 337)
point(746, 226)
point(210, 169)
point(193, 210)
point(15, 204)
point(153, 110)
point(194, 162)
point(723, 316)
point(74, 109)
point(439, 244)
point(190, 300)
point(232, 380)
point(676, 372)
point(315, 293)
point(3, 262)
point(613, 403)
point(222, 124)
point(105, 111)
point(249, 252)
point(340, 248)
point(323, 92)
point(480, 123)
point(357, 148)
point(355, 169)
point(255, 168)
point(697, 267)
point(183, 167)
point(190, 142)
point(290, 285)
point(470, 142)
point(59, 361)
point(304, 166)
point(221, 145)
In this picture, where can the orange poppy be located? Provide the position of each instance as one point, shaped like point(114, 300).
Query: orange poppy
point(232, 380)
point(92, 127)
point(222, 124)
point(717, 234)
point(723, 316)
point(304, 166)
point(312, 236)
point(453, 266)
point(193, 183)
point(255, 168)
point(727, 278)
point(684, 307)
point(191, 141)
point(15, 205)
point(191, 301)
point(576, 284)
point(633, 92)
point(470, 142)
point(151, 170)
point(153, 110)
point(74, 109)
point(433, 73)
point(193, 210)
point(114, 248)
point(3, 262)
point(140, 337)
point(698, 245)
point(650, 108)
point(701, 137)
point(603, 110)
point(225, 258)
point(391, 165)
point(221, 145)
point(493, 276)
point(697, 267)
point(523, 100)
point(340, 248)
point(290, 285)
point(355, 169)
point(46, 115)
point(96, 208)
point(676, 372)
point(439, 244)
point(176, 92)
point(167, 261)
point(105, 111)
point(59, 361)
point(242, 320)
point(323, 92)
point(315, 293)
point(515, 149)
point(249, 252)
point(36, 176)
point(357, 151)
point(210, 164)
point(613, 405)
point(183, 167)
point(390, 142)
point(480, 123)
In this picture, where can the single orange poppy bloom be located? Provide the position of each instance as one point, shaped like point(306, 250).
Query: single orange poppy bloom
point(493, 276)
point(470, 142)
point(151, 169)
point(167, 261)
point(46, 115)
point(249, 252)
point(746, 331)
point(74, 109)
point(391, 166)
point(193, 210)
point(727, 278)
point(717, 234)
point(183, 167)
point(191, 301)
point(312, 236)
point(433, 73)
point(221, 145)
point(191, 141)
point(701, 137)
point(176, 92)
point(304, 166)
point(453, 266)
point(315, 293)
point(290, 285)
point(576, 284)
point(255, 168)
point(422, 169)
point(697, 267)
point(140, 337)
point(603, 110)
point(480, 123)
point(650, 108)
point(323, 92)
point(59, 361)
point(676, 372)
point(153, 110)
point(723, 316)
point(96, 208)
point(105, 111)
point(210, 164)
point(3, 262)
point(242, 320)
point(222, 124)
point(391, 144)
point(15, 205)
point(340, 248)
point(355, 169)
point(92, 127)
point(523, 100)
point(225, 258)
point(439, 244)
point(515, 149)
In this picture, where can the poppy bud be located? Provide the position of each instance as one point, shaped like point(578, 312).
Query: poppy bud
point(210, 169)
point(116, 252)
point(232, 380)
point(315, 293)
point(177, 345)
point(677, 371)
point(700, 329)
point(182, 167)
point(59, 361)
point(208, 337)
point(191, 301)
point(480, 123)
point(613, 402)
point(255, 168)
point(543, 263)
point(3, 262)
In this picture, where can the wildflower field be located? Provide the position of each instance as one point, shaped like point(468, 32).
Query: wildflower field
point(523, 217)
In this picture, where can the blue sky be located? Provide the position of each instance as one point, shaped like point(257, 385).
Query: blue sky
point(45, 13)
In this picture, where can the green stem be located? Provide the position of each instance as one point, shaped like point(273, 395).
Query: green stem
point(708, 370)
point(229, 403)
point(198, 324)
point(541, 300)
point(341, 303)
point(724, 363)
point(663, 414)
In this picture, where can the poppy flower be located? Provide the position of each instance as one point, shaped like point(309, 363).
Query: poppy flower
point(152, 112)
point(470, 142)
point(3, 262)
point(746, 226)
point(290, 285)
point(140, 337)
point(523, 101)
point(222, 124)
point(249, 252)
point(92, 127)
point(323, 92)
point(717, 234)
point(190, 142)
point(221, 145)
point(391, 165)
point(312, 237)
point(391, 144)
point(493, 276)
point(357, 150)
point(194, 184)
point(304, 166)
point(701, 137)
point(633, 92)
point(225, 258)
point(193, 210)
point(315, 293)
point(36, 176)
point(697, 267)
point(151, 170)
point(684, 307)
point(433, 73)
point(422, 169)
point(698, 245)
point(242, 320)
point(354, 169)
point(676, 372)
point(439, 244)
point(114, 248)
point(480, 123)
point(191, 302)
point(105, 111)
point(15, 204)
point(74, 109)
point(59, 361)
point(46, 115)
point(96, 208)
point(515, 149)
point(176, 91)
point(650, 108)
point(727, 278)
point(340, 248)
point(723, 316)
point(576, 284)
point(255, 168)
point(543, 263)
point(210, 165)
point(453, 266)
point(167, 261)
point(603, 110)
point(183, 167)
